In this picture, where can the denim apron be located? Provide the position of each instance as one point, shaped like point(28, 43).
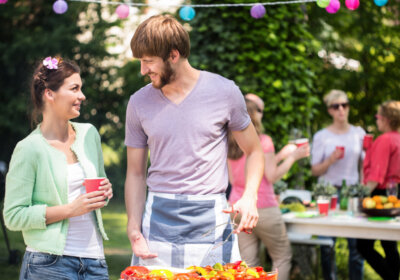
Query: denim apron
point(186, 230)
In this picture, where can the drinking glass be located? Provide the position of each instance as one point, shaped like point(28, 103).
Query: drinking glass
point(391, 189)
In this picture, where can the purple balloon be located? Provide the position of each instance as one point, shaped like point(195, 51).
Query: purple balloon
point(352, 4)
point(257, 11)
point(60, 7)
point(333, 6)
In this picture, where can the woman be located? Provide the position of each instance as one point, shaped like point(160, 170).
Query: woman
point(381, 166)
point(45, 199)
point(270, 228)
point(333, 165)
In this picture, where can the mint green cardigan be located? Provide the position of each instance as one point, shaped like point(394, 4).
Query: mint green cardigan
point(37, 178)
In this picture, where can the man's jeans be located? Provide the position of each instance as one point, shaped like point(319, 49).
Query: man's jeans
point(42, 266)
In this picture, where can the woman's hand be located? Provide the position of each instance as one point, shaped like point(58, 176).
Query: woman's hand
point(106, 186)
point(85, 203)
point(301, 152)
point(336, 154)
point(287, 150)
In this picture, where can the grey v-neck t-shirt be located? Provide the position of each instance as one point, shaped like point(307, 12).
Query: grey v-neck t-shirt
point(187, 141)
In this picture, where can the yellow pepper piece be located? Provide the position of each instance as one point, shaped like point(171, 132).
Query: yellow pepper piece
point(162, 272)
point(252, 272)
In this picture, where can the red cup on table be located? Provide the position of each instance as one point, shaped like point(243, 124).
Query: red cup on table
point(92, 184)
point(367, 141)
point(301, 142)
point(341, 148)
point(323, 205)
point(334, 200)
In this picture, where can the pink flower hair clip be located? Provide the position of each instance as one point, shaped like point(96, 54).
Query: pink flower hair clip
point(50, 63)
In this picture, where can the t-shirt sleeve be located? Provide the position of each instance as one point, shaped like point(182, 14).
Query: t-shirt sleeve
point(361, 134)
point(267, 144)
point(317, 149)
point(135, 136)
point(379, 157)
point(239, 119)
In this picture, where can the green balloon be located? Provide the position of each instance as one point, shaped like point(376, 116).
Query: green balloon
point(323, 3)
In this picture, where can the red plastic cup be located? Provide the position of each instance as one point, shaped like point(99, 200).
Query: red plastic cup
point(334, 199)
point(301, 142)
point(341, 148)
point(323, 206)
point(367, 141)
point(92, 184)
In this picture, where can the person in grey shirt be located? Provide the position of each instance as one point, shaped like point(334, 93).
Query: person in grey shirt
point(182, 119)
point(333, 166)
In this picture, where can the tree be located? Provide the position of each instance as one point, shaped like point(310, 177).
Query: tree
point(369, 36)
point(268, 56)
point(30, 32)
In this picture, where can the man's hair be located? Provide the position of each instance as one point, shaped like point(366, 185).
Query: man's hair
point(158, 36)
point(391, 111)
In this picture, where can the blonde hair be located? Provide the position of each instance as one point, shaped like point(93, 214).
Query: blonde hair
point(334, 95)
point(158, 36)
point(234, 151)
point(391, 111)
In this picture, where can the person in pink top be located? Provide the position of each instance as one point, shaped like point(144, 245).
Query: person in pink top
point(381, 166)
point(270, 229)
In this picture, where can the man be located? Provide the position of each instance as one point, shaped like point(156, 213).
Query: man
point(182, 118)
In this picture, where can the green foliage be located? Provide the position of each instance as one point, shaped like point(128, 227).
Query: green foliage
point(31, 31)
point(268, 56)
point(357, 190)
point(369, 35)
point(323, 189)
point(280, 186)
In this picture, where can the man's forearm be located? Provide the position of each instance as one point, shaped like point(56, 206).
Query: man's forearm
point(254, 173)
point(135, 198)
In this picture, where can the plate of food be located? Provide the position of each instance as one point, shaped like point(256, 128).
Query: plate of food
point(390, 212)
point(230, 271)
point(381, 206)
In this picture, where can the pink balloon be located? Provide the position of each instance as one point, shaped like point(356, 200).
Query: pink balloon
point(333, 6)
point(122, 11)
point(352, 4)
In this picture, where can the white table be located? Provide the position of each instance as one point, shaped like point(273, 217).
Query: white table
point(342, 225)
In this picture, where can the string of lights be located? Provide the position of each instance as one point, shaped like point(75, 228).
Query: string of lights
point(197, 5)
point(187, 11)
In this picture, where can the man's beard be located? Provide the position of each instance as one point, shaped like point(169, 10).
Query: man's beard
point(167, 75)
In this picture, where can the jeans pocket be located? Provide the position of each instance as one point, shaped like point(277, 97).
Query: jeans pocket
point(45, 266)
point(103, 263)
point(42, 259)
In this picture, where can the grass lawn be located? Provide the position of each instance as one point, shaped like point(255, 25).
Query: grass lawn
point(118, 250)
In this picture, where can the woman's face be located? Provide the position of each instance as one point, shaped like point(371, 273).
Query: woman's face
point(381, 122)
point(68, 98)
point(339, 109)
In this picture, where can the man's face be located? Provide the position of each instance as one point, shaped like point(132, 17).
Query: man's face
point(160, 72)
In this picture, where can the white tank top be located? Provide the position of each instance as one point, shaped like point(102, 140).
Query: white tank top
point(83, 238)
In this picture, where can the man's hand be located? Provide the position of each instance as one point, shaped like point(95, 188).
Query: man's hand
point(247, 208)
point(140, 247)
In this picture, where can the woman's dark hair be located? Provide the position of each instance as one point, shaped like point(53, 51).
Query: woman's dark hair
point(234, 151)
point(53, 79)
